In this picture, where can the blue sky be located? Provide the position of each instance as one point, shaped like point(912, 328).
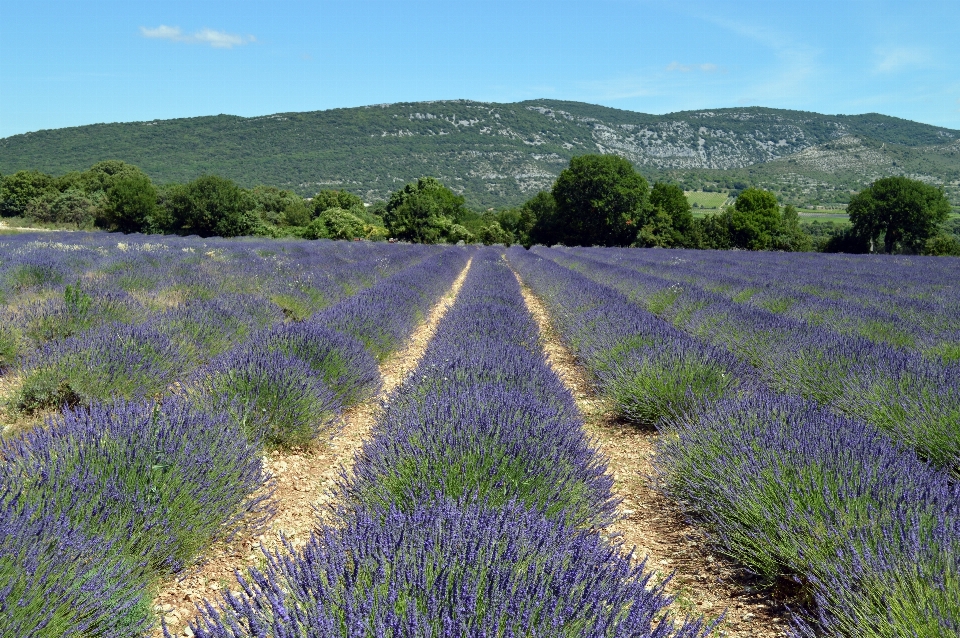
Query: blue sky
point(66, 63)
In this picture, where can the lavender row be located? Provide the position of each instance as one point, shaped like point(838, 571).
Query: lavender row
point(455, 525)
point(873, 280)
point(108, 498)
point(869, 533)
point(648, 367)
point(901, 392)
point(785, 488)
point(143, 358)
point(51, 290)
point(143, 488)
point(286, 385)
point(901, 313)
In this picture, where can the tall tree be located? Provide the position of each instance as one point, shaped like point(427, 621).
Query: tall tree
point(755, 219)
point(131, 202)
point(600, 200)
point(904, 212)
point(423, 211)
point(539, 218)
point(18, 189)
point(211, 205)
point(670, 199)
point(327, 199)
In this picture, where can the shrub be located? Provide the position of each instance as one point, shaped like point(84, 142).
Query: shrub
point(338, 360)
point(275, 399)
point(57, 581)
point(657, 384)
point(207, 328)
point(159, 481)
point(448, 570)
point(114, 361)
point(483, 442)
point(788, 489)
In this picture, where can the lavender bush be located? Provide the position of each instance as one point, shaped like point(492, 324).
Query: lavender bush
point(651, 370)
point(159, 481)
point(791, 490)
point(897, 390)
point(340, 361)
point(57, 581)
point(383, 316)
point(448, 570)
point(484, 416)
point(274, 399)
point(206, 329)
point(114, 361)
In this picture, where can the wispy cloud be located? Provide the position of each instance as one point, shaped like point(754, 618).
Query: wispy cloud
point(793, 67)
point(899, 58)
point(212, 37)
point(687, 68)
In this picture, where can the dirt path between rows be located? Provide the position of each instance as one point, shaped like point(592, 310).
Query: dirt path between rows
point(703, 583)
point(305, 478)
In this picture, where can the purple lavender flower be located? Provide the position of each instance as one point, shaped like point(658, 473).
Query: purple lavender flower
point(448, 569)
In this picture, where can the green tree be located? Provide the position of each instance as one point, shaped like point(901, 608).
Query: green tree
point(791, 236)
point(211, 205)
point(754, 220)
point(460, 233)
point(713, 231)
point(943, 244)
point(18, 189)
point(327, 199)
point(600, 200)
point(495, 234)
point(72, 206)
point(423, 211)
point(539, 220)
point(658, 231)
point(671, 200)
point(904, 212)
point(280, 207)
point(131, 202)
point(337, 223)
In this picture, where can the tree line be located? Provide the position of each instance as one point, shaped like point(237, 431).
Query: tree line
point(597, 200)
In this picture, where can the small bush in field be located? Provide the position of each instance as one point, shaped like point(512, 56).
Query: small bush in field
point(274, 399)
point(57, 581)
point(160, 482)
point(114, 361)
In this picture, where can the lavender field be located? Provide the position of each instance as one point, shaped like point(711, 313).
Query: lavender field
point(804, 411)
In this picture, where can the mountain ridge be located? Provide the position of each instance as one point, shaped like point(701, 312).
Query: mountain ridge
point(499, 154)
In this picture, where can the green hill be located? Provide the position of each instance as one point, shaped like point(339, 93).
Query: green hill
point(501, 154)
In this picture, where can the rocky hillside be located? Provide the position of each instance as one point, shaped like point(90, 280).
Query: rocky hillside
point(501, 154)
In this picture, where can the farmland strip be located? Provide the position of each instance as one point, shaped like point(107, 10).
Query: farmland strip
point(464, 506)
point(907, 304)
point(914, 399)
point(871, 534)
point(647, 520)
point(305, 478)
point(147, 485)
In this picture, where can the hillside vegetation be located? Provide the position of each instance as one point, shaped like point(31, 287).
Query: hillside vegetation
point(499, 155)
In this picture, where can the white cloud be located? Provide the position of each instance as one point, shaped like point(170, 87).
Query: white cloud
point(216, 39)
point(899, 58)
point(793, 69)
point(687, 68)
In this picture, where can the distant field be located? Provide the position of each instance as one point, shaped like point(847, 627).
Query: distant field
point(823, 215)
point(706, 200)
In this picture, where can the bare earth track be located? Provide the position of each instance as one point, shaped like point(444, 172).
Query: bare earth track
point(304, 479)
point(702, 583)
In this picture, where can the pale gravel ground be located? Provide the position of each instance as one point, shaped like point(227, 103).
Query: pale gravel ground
point(703, 583)
point(304, 480)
